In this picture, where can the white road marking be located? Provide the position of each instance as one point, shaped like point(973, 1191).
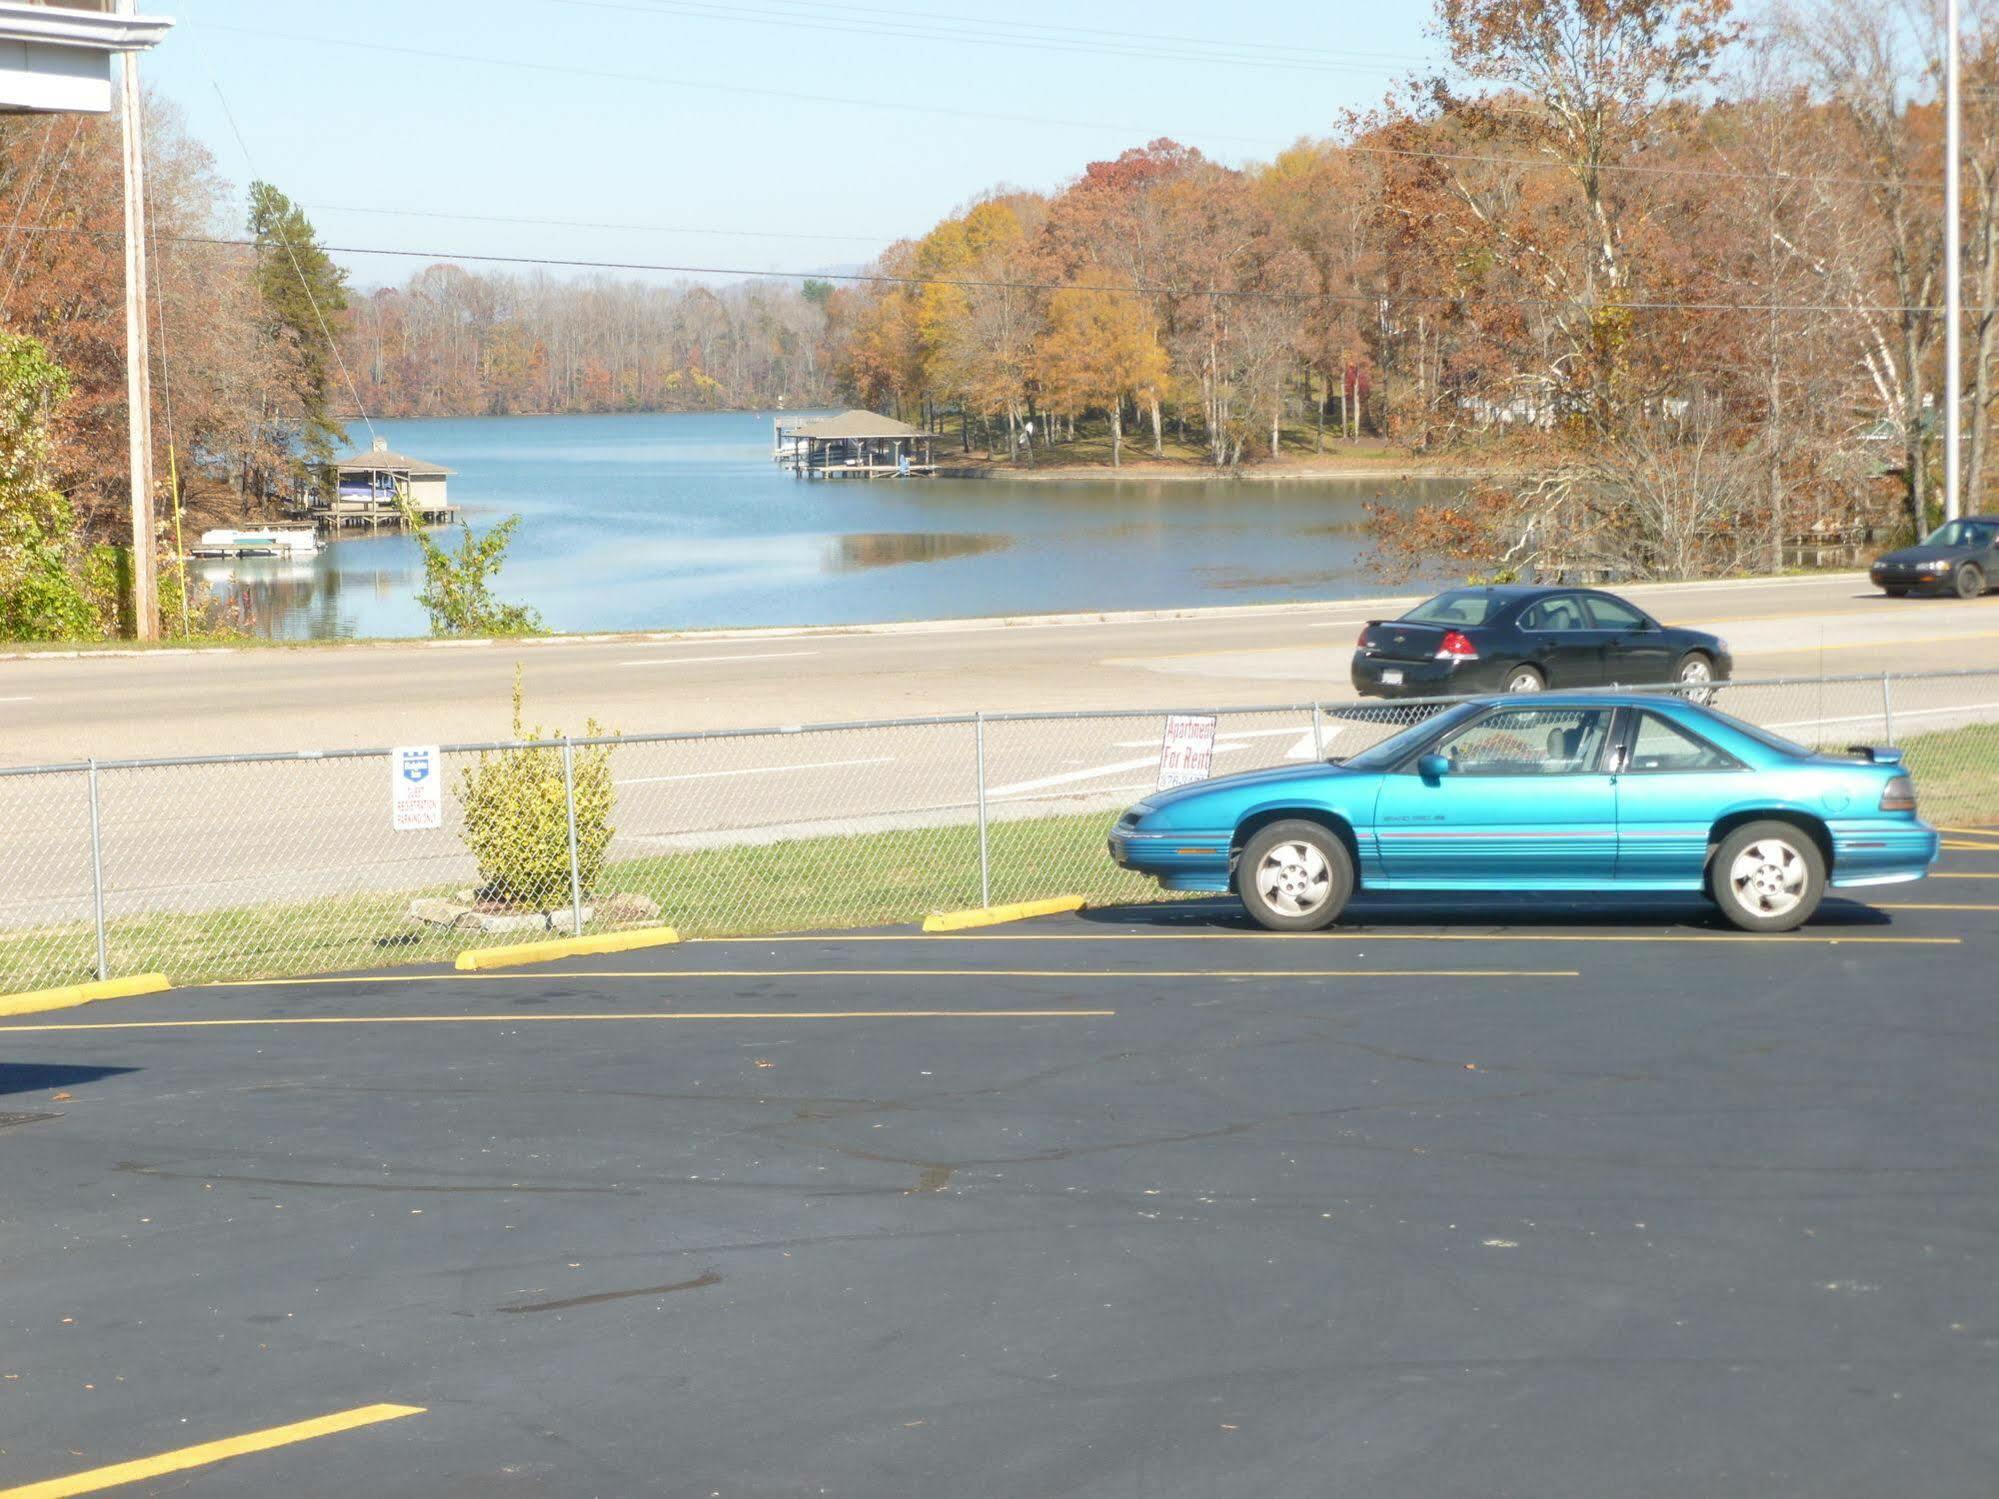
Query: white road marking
point(697, 660)
point(757, 770)
point(22, 699)
point(1899, 713)
point(1224, 736)
point(1072, 776)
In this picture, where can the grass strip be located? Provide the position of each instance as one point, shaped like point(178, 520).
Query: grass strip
point(807, 884)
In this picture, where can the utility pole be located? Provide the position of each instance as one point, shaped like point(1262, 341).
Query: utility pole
point(1953, 269)
point(138, 380)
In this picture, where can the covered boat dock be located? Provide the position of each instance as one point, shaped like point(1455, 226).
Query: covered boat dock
point(854, 445)
point(366, 486)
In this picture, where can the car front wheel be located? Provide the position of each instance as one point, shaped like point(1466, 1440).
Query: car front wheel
point(1695, 674)
point(1294, 876)
point(1895, 590)
point(1768, 877)
point(1970, 581)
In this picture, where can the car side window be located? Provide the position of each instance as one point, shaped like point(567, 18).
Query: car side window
point(1559, 613)
point(1661, 747)
point(1609, 614)
point(1528, 742)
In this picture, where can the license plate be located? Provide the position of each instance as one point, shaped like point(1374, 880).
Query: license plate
point(1391, 678)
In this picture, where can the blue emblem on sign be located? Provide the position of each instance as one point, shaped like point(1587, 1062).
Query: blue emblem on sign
point(416, 767)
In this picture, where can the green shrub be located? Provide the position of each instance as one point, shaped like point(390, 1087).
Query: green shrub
point(516, 818)
point(458, 584)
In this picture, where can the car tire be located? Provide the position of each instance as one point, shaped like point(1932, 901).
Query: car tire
point(1895, 591)
point(1970, 581)
point(1767, 876)
point(1694, 675)
point(1294, 876)
point(1525, 678)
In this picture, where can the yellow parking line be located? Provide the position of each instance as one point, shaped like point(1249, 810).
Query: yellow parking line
point(926, 973)
point(1963, 874)
point(191, 1025)
point(1971, 848)
point(1230, 936)
point(182, 1458)
point(1922, 907)
point(1971, 832)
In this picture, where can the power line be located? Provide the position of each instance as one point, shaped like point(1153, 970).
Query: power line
point(494, 218)
point(883, 278)
point(985, 35)
point(1002, 117)
point(1283, 47)
point(55, 178)
point(291, 253)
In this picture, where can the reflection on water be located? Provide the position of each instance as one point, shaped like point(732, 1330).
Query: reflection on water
point(682, 521)
point(301, 599)
point(887, 548)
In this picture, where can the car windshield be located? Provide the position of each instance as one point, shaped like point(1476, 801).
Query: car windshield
point(1395, 746)
point(1961, 533)
point(1763, 737)
point(1461, 606)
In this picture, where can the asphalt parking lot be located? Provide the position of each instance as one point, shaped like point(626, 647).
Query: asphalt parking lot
point(1542, 1201)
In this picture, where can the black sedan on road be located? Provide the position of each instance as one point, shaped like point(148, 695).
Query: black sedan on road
point(1958, 557)
point(1523, 639)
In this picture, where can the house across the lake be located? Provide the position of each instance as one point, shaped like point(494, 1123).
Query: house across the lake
point(854, 444)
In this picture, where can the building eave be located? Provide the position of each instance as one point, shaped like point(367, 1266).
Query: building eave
point(91, 30)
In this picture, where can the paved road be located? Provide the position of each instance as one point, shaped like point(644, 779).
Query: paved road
point(57, 709)
point(1544, 1202)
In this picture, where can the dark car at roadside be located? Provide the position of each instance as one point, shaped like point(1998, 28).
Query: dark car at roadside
point(1960, 557)
point(1526, 638)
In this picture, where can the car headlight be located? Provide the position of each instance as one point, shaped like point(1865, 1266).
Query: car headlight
point(1937, 567)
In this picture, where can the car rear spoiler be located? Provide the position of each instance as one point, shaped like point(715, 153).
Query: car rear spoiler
point(1876, 754)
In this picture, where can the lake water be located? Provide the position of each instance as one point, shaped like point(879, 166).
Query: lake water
point(682, 521)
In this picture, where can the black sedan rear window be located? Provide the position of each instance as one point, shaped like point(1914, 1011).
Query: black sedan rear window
point(1461, 606)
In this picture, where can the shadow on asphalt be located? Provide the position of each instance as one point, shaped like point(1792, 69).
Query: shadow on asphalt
point(1225, 913)
point(35, 1077)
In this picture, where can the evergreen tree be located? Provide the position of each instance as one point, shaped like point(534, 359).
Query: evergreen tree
point(305, 302)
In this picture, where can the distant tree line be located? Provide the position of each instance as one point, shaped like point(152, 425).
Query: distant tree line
point(452, 342)
point(1685, 274)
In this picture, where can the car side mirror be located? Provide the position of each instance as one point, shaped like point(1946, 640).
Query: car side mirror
point(1432, 767)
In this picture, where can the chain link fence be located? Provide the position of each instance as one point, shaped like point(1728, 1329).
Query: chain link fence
point(257, 866)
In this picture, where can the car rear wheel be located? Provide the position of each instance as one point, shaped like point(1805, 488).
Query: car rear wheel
point(1294, 876)
point(1767, 877)
point(1525, 679)
point(1970, 581)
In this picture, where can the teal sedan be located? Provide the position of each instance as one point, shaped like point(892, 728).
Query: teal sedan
point(1568, 793)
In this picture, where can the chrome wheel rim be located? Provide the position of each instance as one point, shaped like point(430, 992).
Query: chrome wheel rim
point(1294, 878)
point(1524, 681)
point(1697, 671)
point(1769, 878)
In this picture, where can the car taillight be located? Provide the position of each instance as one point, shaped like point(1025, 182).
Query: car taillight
point(1457, 646)
point(1362, 642)
point(1899, 795)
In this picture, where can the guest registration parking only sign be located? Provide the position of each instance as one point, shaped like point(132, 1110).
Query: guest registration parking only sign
point(416, 788)
point(1188, 753)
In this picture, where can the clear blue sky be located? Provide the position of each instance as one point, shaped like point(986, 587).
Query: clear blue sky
point(685, 114)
